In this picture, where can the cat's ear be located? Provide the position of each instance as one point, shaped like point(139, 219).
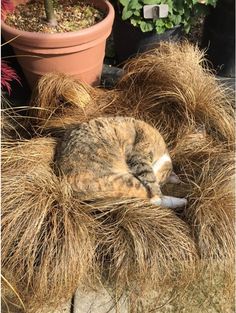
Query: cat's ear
point(173, 179)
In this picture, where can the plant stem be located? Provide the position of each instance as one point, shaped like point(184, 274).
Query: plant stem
point(51, 19)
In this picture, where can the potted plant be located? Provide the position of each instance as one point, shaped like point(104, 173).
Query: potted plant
point(141, 24)
point(219, 38)
point(59, 36)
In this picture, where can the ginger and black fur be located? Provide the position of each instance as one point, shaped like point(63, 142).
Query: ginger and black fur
point(118, 157)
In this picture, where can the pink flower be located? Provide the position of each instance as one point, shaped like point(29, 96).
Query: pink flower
point(7, 75)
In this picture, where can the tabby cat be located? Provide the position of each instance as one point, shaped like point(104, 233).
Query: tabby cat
point(116, 157)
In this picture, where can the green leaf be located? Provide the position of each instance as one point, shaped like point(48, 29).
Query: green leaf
point(170, 11)
point(126, 14)
point(133, 21)
point(146, 26)
point(187, 28)
point(159, 23)
point(179, 12)
point(176, 19)
point(124, 2)
point(136, 13)
point(134, 5)
point(170, 6)
point(152, 1)
point(187, 14)
point(189, 3)
point(160, 29)
point(160, 26)
point(169, 25)
point(179, 7)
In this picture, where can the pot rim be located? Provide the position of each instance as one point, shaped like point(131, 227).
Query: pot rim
point(70, 35)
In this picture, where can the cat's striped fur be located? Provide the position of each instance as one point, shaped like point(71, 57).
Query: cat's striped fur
point(114, 157)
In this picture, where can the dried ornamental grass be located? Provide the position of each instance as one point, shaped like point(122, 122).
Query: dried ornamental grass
point(137, 252)
point(45, 235)
point(172, 86)
point(131, 245)
point(13, 123)
point(210, 292)
point(59, 100)
point(172, 89)
point(48, 234)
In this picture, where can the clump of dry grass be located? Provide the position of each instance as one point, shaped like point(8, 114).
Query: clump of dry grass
point(59, 100)
point(45, 235)
point(211, 291)
point(138, 252)
point(13, 124)
point(24, 157)
point(11, 300)
point(173, 87)
point(53, 241)
point(211, 208)
point(207, 169)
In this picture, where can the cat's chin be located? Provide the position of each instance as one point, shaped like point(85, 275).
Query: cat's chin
point(168, 202)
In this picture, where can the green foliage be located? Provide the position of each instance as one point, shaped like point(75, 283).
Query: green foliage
point(181, 12)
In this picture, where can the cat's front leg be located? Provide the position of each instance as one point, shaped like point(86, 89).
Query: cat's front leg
point(168, 202)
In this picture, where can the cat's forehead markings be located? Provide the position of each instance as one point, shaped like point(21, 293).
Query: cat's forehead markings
point(165, 158)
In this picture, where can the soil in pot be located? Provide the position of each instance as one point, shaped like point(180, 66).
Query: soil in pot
point(70, 15)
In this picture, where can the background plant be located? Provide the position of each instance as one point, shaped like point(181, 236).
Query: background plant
point(8, 74)
point(181, 12)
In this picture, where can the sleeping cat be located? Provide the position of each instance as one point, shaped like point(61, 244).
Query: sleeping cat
point(116, 157)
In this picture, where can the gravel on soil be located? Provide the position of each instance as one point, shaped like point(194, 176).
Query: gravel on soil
point(71, 16)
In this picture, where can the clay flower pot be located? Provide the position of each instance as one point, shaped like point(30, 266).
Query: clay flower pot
point(79, 53)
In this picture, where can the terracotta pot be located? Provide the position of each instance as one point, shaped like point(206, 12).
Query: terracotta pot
point(79, 54)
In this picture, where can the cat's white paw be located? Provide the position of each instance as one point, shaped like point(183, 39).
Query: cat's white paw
point(156, 200)
point(169, 202)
